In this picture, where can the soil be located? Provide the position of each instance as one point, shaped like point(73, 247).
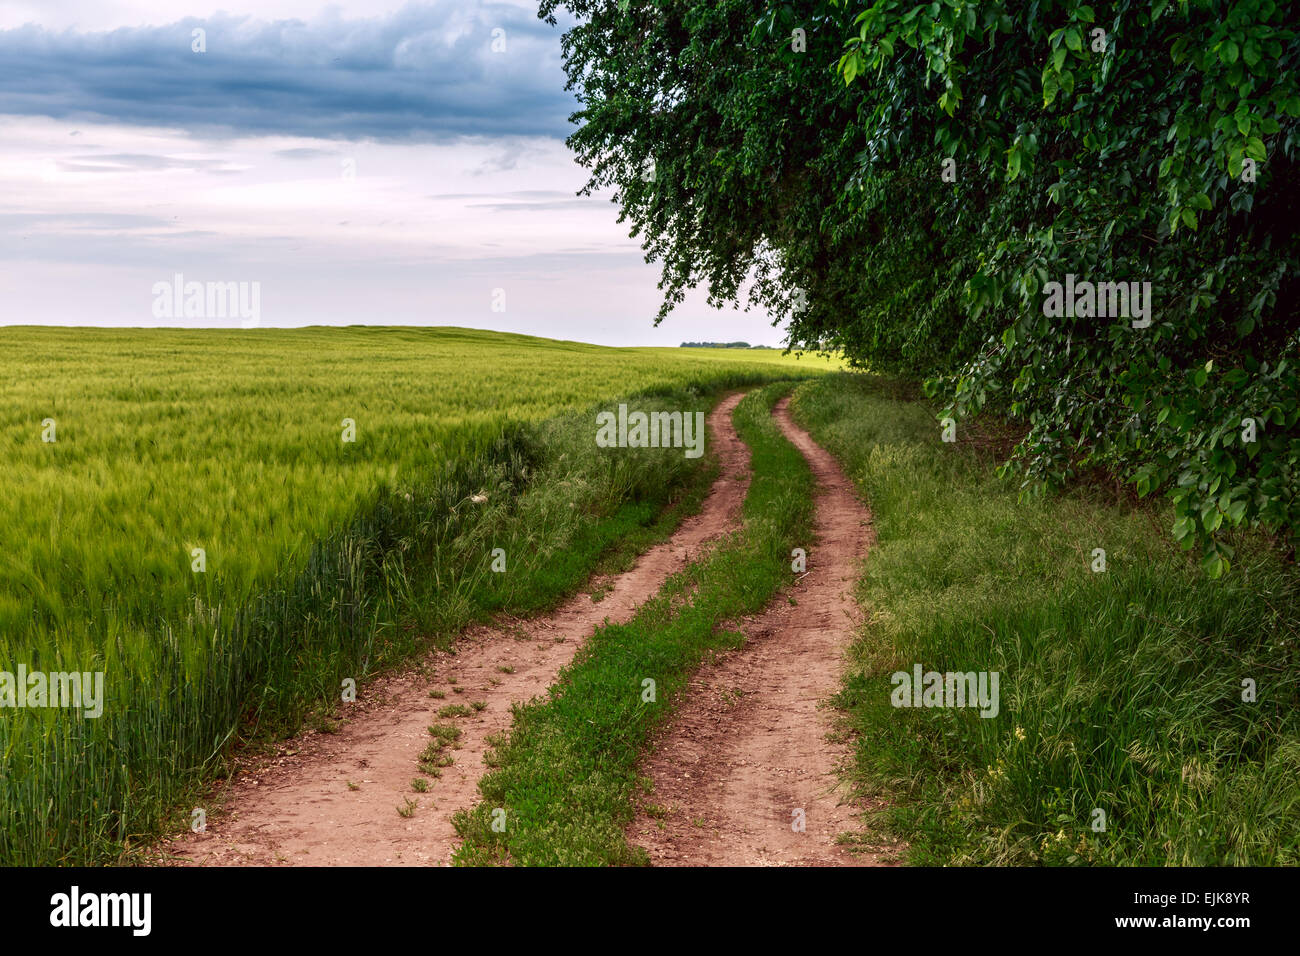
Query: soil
point(333, 798)
point(745, 772)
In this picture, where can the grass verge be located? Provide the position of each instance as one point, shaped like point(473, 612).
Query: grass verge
point(1124, 693)
point(566, 777)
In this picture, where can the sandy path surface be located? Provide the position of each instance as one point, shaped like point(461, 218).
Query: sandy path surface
point(332, 799)
point(746, 758)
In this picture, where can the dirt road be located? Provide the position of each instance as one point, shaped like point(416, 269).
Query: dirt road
point(333, 799)
point(744, 774)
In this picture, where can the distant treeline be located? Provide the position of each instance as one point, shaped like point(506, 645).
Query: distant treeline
point(722, 345)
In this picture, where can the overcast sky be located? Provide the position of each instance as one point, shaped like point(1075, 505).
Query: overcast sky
point(363, 162)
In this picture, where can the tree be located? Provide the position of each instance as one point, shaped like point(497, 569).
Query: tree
point(906, 183)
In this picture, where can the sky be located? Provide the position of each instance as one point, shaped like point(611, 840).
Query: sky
point(345, 163)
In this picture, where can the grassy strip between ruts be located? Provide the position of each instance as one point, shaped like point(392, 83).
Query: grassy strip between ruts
point(414, 568)
point(566, 776)
point(1125, 692)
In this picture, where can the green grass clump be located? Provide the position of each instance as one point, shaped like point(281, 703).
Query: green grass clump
point(325, 560)
point(567, 772)
point(1121, 691)
point(446, 733)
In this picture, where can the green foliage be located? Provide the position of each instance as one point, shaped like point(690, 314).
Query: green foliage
point(1121, 690)
point(1129, 134)
point(1136, 141)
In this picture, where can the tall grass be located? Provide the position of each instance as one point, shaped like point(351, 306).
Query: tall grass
point(325, 560)
point(1121, 691)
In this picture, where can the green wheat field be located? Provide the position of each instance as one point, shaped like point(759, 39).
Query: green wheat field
point(321, 559)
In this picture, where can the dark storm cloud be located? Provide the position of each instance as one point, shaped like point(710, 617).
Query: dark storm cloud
point(424, 73)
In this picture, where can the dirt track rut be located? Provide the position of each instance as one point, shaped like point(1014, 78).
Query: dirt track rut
point(746, 759)
point(332, 799)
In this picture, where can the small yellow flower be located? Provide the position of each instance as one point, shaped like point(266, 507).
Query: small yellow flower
point(1020, 733)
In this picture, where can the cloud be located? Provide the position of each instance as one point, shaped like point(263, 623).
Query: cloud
point(551, 205)
point(425, 73)
point(506, 159)
point(513, 194)
point(14, 221)
point(135, 162)
point(305, 152)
